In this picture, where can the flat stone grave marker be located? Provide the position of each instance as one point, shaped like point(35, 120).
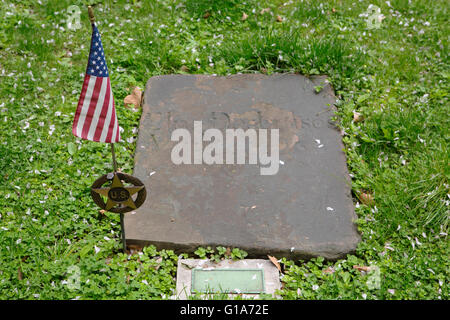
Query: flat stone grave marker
point(249, 278)
point(302, 211)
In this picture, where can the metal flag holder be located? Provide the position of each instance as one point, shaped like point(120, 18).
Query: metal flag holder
point(119, 197)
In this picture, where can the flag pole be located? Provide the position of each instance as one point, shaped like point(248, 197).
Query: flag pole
point(113, 157)
point(91, 14)
point(122, 227)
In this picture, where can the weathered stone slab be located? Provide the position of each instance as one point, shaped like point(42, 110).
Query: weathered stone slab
point(304, 210)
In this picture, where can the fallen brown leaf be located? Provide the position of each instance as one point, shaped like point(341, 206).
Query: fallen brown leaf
point(189, 265)
point(158, 260)
point(265, 10)
point(184, 69)
point(279, 19)
point(206, 15)
point(275, 262)
point(132, 248)
point(134, 98)
point(244, 16)
point(367, 199)
point(362, 268)
point(329, 270)
point(19, 274)
point(357, 117)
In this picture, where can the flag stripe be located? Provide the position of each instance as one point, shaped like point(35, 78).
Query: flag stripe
point(115, 131)
point(92, 105)
point(104, 112)
point(118, 134)
point(85, 105)
point(80, 103)
point(107, 125)
point(112, 126)
point(116, 126)
point(98, 108)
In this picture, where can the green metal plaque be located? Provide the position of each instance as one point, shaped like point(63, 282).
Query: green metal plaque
point(227, 281)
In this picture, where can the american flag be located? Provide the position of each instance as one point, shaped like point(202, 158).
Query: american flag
point(95, 118)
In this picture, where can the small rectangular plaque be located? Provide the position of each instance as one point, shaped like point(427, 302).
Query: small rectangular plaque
point(227, 281)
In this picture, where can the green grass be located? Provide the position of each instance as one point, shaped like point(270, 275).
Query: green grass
point(396, 77)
